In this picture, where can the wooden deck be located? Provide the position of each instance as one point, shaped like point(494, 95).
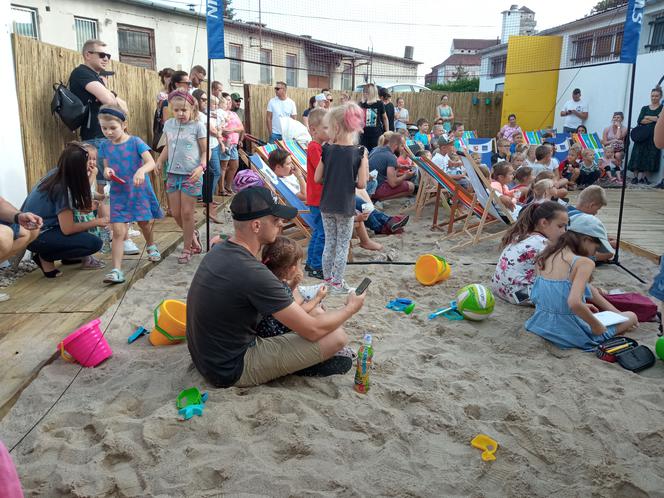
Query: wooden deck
point(643, 221)
point(42, 312)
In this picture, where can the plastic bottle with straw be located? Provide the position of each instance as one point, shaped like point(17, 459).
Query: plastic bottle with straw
point(364, 361)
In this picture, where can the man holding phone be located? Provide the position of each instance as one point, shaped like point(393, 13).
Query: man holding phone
point(232, 289)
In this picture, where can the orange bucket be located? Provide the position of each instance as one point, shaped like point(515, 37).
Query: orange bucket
point(431, 269)
point(170, 319)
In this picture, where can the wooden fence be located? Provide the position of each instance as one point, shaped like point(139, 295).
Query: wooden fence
point(470, 108)
point(40, 65)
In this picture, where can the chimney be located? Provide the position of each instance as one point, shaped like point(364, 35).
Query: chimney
point(408, 52)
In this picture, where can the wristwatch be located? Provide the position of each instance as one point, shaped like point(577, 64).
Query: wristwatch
point(16, 217)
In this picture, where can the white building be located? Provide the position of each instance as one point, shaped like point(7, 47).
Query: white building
point(464, 61)
point(143, 33)
point(519, 21)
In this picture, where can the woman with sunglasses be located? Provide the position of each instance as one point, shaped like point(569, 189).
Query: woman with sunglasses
point(55, 197)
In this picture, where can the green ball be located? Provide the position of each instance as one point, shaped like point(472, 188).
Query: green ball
point(659, 348)
point(475, 302)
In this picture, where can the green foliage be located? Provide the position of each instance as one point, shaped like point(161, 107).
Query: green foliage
point(603, 5)
point(229, 12)
point(460, 73)
point(461, 85)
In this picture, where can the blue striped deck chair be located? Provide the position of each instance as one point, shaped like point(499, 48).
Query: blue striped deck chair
point(532, 138)
point(296, 151)
point(590, 141)
point(304, 220)
point(484, 147)
point(467, 135)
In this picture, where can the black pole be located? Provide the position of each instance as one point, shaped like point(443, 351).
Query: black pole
point(208, 195)
point(616, 257)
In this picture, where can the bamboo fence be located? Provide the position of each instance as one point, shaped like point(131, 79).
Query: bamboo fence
point(470, 108)
point(39, 66)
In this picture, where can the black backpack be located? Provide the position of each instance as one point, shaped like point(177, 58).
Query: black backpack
point(68, 107)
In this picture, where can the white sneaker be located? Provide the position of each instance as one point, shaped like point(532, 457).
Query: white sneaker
point(130, 248)
point(133, 232)
point(340, 288)
point(4, 297)
point(308, 292)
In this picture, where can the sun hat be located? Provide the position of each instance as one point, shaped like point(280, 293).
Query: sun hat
point(256, 202)
point(587, 224)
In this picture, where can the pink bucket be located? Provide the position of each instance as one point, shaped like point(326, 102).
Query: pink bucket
point(87, 345)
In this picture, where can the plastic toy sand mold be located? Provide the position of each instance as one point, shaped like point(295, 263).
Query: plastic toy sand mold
point(191, 402)
point(488, 445)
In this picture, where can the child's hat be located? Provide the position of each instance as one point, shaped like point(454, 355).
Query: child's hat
point(246, 178)
point(445, 140)
point(590, 225)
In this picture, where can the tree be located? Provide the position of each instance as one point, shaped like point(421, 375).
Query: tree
point(464, 85)
point(603, 5)
point(229, 12)
point(460, 73)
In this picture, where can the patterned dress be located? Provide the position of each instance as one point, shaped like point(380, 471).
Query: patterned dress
point(128, 202)
point(516, 268)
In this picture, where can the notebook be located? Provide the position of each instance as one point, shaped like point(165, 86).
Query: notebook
point(608, 318)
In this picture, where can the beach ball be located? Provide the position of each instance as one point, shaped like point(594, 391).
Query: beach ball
point(475, 302)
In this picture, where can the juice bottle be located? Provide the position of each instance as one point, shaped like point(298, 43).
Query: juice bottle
point(364, 361)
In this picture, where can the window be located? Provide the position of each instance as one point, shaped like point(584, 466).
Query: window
point(291, 70)
point(136, 46)
point(86, 29)
point(24, 22)
point(402, 88)
point(235, 52)
point(266, 66)
point(347, 77)
point(498, 65)
point(657, 37)
point(597, 45)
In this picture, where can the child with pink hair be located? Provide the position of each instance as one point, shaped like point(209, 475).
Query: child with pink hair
point(343, 167)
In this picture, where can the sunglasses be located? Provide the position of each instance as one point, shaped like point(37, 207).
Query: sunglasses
point(203, 99)
point(102, 55)
point(277, 88)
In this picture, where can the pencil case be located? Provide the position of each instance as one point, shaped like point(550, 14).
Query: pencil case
point(628, 353)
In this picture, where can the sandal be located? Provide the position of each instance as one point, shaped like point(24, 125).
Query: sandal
point(115, 276)
point(196, 246)
point(47, 274)
point(153, 253)
point(184, 257)
point(92, 263)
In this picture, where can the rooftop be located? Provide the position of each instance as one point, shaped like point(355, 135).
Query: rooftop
point(473, 43)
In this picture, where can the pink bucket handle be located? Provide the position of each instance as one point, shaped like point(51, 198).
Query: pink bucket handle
point(66, 356)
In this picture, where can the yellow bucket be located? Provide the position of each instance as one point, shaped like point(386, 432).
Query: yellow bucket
point(170, 318)
point(431, 269)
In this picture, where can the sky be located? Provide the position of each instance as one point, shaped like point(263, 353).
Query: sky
point(389, 25)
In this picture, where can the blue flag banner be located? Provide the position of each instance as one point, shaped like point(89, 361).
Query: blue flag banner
point(633, 23)
point(215, 28)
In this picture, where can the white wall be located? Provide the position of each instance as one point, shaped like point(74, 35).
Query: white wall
point(12, 171)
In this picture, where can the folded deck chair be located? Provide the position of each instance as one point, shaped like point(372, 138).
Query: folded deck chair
point(590, 141)
point(487, 199)
point(484, 147)
point(561, 142)
point(298, 154)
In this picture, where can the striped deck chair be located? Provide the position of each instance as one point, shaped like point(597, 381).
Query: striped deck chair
point(467, 135)
point(589, 141)
point(298, 154)
point(484, 147)
point(532, 138)
point(561, 142)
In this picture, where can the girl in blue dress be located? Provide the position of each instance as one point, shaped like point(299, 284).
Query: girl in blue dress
point(128, 159)
point(561, 289)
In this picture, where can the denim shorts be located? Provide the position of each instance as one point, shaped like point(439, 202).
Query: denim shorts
point(230, 154)
point(657, 289)
point(175, 183)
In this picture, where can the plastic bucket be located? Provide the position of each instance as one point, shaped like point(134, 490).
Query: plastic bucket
point(170, 318)
point(86, 345)
point(431, 269)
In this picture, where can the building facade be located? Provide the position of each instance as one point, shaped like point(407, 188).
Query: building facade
point(519, 21)
point(463, 62)
point(154, 36)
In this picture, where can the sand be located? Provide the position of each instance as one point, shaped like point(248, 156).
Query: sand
point(567, 423)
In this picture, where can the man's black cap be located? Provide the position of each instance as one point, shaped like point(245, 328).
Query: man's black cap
point(256, 202)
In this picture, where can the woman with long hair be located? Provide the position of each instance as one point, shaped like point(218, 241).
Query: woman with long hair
point(375, 118)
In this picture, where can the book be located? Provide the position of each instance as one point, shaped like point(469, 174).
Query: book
point(608, 318)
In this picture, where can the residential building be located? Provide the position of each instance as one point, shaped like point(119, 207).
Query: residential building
point(152, 35)
point(463, 62)
point(519, 21)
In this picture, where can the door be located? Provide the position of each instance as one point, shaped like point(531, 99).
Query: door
point(315, 81)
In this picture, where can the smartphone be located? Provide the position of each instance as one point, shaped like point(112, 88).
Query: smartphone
point(363, 286)
point(520, 296)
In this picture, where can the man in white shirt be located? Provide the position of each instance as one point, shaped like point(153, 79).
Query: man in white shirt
point(575, 112)
point(278, 107)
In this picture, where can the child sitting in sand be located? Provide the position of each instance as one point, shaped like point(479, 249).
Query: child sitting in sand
point(537, 226)
point(284, 258)
point(561, 289)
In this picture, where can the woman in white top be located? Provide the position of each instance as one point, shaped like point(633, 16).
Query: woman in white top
point(400, 115)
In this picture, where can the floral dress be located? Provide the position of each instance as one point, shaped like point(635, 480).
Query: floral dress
point(515, 270)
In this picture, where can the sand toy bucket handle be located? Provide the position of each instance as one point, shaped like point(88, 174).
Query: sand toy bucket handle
point(161, 330)
point(66, 356)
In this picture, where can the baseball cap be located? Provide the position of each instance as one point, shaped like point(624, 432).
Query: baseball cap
point(256, 202)
point(590, 225)
point(445, 140)
point(320, 97)
point(236, 97)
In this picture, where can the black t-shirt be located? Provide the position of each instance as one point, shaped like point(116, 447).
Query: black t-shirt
point(341, 164)
point(230, 292)
point(373, 117)
point(80, 77)
point(389, 110)
point(380, 159)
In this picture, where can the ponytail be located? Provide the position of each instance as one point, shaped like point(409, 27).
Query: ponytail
point(528, 220)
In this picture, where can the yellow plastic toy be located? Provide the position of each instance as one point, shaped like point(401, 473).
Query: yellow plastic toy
point(431, 269)
point(170, 318)
point(488, 445)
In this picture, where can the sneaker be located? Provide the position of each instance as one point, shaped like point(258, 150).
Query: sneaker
point(340, 288)
point(133, 232)
point(634, 181)
point(115, 276)
point(397, 222)
point(316, 274)
point(130, 248)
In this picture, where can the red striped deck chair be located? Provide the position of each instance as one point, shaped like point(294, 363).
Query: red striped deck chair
point(590, 141)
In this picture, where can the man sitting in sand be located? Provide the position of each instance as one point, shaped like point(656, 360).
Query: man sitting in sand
point(232, 289)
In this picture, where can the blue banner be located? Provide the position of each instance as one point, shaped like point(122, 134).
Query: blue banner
point(215, 28)
point(633, 23)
